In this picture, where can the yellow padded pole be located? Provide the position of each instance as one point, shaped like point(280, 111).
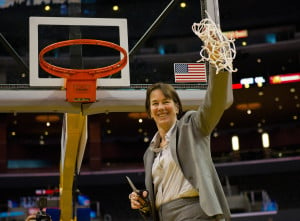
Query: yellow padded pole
point(73, 129)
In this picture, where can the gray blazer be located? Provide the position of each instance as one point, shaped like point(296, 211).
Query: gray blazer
point(190, 147)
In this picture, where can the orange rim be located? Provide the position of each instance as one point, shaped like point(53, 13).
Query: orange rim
point(95, 72)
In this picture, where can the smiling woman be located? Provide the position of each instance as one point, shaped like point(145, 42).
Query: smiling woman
point(175, 154)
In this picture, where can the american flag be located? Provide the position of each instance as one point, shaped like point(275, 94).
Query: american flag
point(190, 72)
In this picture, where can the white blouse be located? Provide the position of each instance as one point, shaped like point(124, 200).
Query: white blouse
point(169, 182)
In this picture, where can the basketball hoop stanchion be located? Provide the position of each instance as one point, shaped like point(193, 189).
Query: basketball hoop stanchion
point(81, 84)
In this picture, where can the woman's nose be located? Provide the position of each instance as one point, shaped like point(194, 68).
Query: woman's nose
point(160, 105)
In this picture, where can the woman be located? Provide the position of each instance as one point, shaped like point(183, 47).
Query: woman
point(180, 177)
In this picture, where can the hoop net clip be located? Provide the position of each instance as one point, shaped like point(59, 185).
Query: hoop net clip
point(81, 84)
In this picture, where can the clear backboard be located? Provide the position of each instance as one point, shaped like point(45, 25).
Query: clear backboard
point(49, 30)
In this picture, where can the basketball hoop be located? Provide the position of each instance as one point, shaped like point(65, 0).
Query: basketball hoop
point(81, 83)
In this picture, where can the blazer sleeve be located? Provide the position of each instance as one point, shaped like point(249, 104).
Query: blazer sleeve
point(218, 98)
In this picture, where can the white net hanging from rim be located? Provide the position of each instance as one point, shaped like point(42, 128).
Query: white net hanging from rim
point(220, 51)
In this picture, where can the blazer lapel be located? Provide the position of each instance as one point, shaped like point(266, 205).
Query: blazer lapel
point(174, 144)
point(149, 158)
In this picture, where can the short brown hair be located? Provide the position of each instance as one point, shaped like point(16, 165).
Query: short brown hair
point(169, 92)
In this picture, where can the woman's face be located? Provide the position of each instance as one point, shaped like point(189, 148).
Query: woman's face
point(163, 110)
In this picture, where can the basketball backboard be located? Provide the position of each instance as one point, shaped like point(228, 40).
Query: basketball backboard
point(154, 32)
point(105, 29)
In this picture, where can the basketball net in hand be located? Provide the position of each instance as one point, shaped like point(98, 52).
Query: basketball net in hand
point(218, 50)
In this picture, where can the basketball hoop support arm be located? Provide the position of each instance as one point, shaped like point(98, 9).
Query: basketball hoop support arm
point(151, 29)
point(14, 54)
point(211, 6)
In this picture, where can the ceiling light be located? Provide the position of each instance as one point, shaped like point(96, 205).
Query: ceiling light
point(182, 4)
point(215, 134)
point(235, 143)
point(265, 140)
point(115, 8)
point(47, 8)
point(146, 139)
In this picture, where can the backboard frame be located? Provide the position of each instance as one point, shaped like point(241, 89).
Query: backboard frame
point(35, 22)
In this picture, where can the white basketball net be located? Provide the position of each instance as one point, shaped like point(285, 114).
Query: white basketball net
point(220, 50)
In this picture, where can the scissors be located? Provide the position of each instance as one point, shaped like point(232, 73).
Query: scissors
point(145, 205)
point(139, 192)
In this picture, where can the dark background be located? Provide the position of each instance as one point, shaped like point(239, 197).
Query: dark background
point(118, 140)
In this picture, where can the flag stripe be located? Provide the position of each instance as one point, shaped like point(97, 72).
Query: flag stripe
point(190, 72)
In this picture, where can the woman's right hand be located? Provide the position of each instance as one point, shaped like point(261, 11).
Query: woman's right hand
point(139, 202)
